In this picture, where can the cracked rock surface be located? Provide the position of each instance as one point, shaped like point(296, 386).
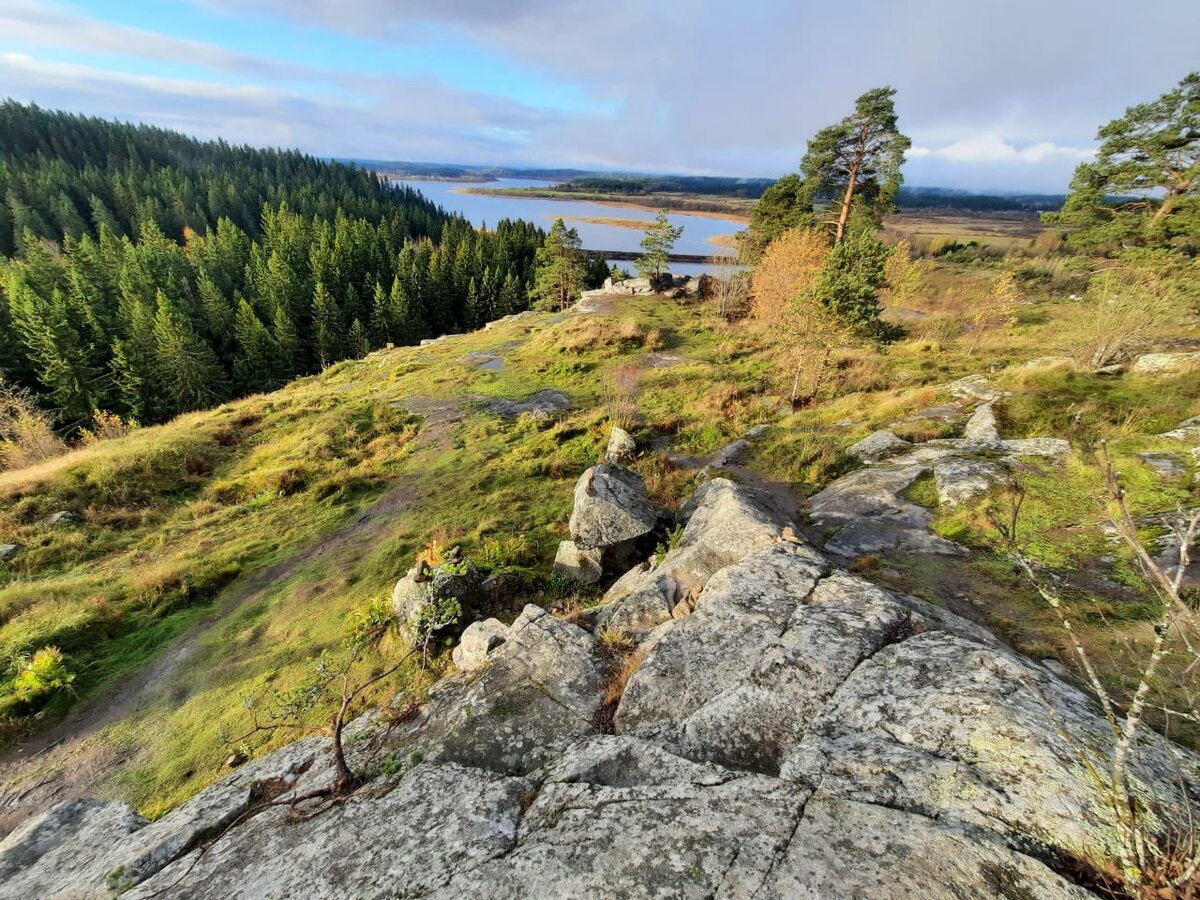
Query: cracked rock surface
point(869, 510)
point(795, 732)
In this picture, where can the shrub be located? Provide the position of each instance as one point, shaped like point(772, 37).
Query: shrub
point(44, 673)
point(26, 433)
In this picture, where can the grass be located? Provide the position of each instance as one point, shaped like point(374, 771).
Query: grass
point(178, 520)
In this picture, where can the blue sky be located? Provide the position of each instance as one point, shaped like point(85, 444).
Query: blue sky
point(995, 96)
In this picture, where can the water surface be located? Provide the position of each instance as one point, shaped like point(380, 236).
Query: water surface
point(483, 209)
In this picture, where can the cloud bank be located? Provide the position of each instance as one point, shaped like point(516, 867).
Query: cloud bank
point(994, 97)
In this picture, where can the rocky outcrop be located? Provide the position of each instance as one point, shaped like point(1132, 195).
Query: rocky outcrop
point(8, 551)
point(796, 732)
point(869, 510)
point(1187, 430)
point(540, 405)
point(877, 445)
point(725, 523)
point(417, 598)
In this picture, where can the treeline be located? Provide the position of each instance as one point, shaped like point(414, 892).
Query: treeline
point(638, 185)
point(152, 274)
point(65, 175)
point(753, 188)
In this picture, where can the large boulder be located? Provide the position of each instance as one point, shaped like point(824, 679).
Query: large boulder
point(725, 522)
point(421, 600)
point(478, 640)
point(611, 508)
point(1165, 363)
point(584, 566)
point(622, 448)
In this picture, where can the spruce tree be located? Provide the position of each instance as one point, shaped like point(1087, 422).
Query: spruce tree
point(328, 344)
point(357, 342)
point(187, 368)
point(258, 364)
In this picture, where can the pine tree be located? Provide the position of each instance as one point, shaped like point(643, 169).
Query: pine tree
point(657, 245)
point(379, 328)
point(858, 158)
point(558, 273)
point(405, 315)
point(850, 281)
point(473, 314)
point(287, 339)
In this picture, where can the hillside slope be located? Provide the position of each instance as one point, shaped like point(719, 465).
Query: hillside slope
point(220, 554)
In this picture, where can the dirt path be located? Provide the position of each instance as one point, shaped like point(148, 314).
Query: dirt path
point(70, 758)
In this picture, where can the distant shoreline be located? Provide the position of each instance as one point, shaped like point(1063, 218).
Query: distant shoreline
point(536, 194)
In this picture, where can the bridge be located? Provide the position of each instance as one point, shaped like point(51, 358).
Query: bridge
point(632, 254)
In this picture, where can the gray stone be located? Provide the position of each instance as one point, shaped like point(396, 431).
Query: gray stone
point(63, 515)
point(842, 848)
point(725, 523)
point(866, 512)
point(622, 448)
point(1165, 363)
point(1168, 465)
point(621, 818)
point(981, 427)
point(945, 727)
point(878, 445)
point(541, 688)
point(539, 405)
point(407, 842)
point(584, 566)
point(8, 551)
point(478, 640)
point(59, 852)
point(1050, 447)
point(1044, 362)
point(415, 596)
point(962, 480)
point(1111, 370)
point(611, 507)
point(732, 454)
point(757, 431)
point(975, 387)
point(1187, 430)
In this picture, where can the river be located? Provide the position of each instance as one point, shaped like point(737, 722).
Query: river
point(483, 209)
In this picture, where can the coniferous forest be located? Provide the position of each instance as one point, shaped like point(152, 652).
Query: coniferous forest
point(145, 273)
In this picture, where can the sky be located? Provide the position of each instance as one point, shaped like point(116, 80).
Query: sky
point(995, 96)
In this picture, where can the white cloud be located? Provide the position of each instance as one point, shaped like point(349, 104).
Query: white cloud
point(53, 25)
point(993, 93)
point(994, 149)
